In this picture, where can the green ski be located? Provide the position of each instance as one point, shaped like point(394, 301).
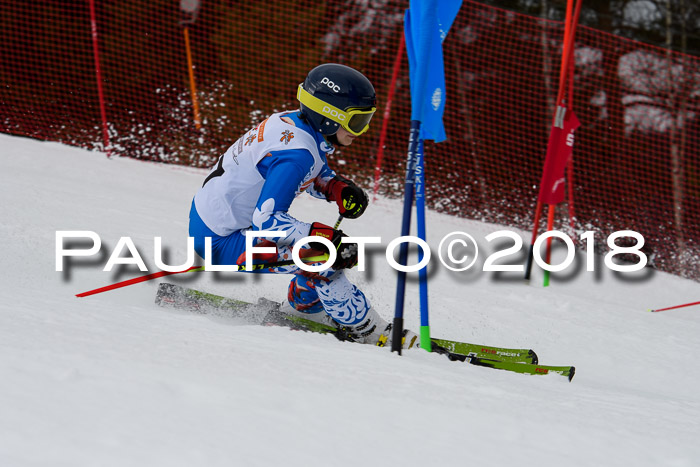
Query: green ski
point(526, 368)
point(516, 360)
point(485, 351)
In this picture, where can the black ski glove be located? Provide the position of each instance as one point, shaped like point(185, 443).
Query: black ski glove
point(346, 253)
point(350, 198)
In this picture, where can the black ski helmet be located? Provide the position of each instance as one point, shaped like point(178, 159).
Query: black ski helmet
point(348, 94)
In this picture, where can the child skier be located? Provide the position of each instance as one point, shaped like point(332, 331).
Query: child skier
point(257, 178)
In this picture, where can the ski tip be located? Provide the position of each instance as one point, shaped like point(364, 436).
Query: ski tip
point(652, 311)
point(572, 371)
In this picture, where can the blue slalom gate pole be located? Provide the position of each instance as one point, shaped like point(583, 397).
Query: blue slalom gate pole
point(423, 272)
point(426, 24)
point(411, 160)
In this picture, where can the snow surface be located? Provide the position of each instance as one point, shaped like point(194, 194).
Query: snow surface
point(114, 380)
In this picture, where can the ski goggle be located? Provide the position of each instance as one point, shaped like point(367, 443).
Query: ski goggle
point(356, 121)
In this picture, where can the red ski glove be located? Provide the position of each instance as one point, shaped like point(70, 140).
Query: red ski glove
point(350, 198)
point(346, 253)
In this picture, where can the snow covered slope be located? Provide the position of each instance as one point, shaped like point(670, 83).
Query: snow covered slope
point(113, 380)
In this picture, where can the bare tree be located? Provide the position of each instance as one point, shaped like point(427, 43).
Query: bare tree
point(678, 78)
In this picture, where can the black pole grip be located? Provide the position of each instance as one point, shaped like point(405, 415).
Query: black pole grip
point(530, 256)
point(397, 335)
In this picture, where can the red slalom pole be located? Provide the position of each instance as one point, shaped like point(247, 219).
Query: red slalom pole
point(313, 256)
point(550, 226)
point(193, 85)
point(98, 73)
point(387, 113)
point(136, 280)
point(674, 307)
point(535, 232)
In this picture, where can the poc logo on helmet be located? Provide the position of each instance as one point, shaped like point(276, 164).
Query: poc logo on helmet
point(333, 113)
point(330, 84)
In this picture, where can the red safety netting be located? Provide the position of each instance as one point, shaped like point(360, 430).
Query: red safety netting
point(636, 158)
